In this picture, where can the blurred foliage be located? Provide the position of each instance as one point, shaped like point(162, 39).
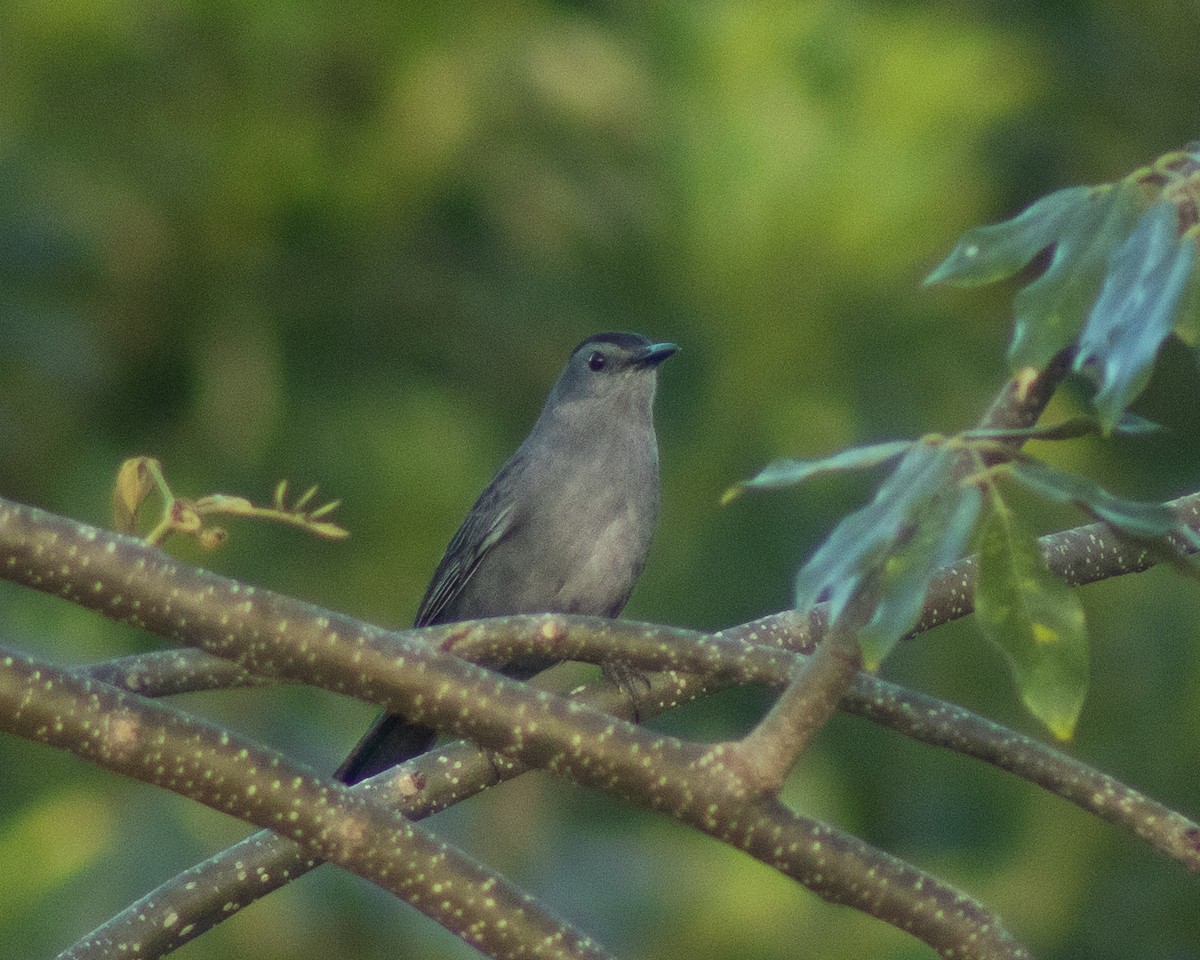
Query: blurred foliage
point(351, 245)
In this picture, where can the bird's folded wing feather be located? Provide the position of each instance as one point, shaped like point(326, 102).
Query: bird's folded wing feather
point(486, 525)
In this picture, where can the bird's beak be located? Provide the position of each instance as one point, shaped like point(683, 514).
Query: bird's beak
point(654, 354)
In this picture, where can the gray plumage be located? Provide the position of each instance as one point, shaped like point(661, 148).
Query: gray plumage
point(564, 527)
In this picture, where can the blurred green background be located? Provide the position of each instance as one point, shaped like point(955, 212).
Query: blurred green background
point(351, 244)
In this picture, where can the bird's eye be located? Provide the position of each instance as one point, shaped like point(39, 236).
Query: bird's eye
point(597, 361)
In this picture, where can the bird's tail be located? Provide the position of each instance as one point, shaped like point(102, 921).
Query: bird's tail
point(391, 740)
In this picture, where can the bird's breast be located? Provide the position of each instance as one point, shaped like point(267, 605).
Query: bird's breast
point(580, 544)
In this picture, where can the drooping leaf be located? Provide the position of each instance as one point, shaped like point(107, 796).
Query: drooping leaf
point(785, 473)
point(919, 520)
point(861, 539)
point(942, 527)
point(1135, 425)
point(1120, 277)
point(1049, 313)
point(990, 253)
point(1035, 619)
point(1136, 308)
point(1150, 524)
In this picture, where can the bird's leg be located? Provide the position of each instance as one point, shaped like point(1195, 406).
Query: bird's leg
point(627, 680)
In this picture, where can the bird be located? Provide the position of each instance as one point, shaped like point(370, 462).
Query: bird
point(565, 526)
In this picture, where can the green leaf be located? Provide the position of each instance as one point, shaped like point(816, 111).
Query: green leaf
point(862, 539)
point(942, 527)
point(1130, 424)
point(987, 254)
point(1135, 518)
point(1049, 313)
point(785, 473)
point(1150, 524)
point(1136, 308)
point(1035, 619)
point(919, 520)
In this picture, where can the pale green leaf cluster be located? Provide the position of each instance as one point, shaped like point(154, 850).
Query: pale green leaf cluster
point(942, 497)
point(919, 521)
point(1120, 276)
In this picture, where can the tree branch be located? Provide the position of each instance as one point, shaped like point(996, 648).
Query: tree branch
point(275, 635)
point(942, 724)
point(1082, 555)
point(160, 745)
point(162, 673)
point(201, 897)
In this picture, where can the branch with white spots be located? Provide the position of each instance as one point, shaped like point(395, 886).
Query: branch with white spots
point(267, 633)
point(1079, 556)
point(406, 671)
point(458, 771)
point(213, 890)
point(164, 746)
point(163, 673)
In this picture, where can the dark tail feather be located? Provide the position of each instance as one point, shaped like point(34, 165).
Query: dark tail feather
point(391, 740)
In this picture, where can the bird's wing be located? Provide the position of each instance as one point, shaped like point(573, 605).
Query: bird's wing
point(486, 525)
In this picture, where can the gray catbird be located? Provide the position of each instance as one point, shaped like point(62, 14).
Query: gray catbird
point(563, 528)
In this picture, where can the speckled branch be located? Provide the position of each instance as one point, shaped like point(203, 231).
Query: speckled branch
point(211, 892)
point(768, 752)
point(1081, 555)
point(233, 878)
point(265, 861)
point(163, 673)
point(271, 634)
point(942, 724)
point(840, 866)
point(739, 655)
point(163, 746)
